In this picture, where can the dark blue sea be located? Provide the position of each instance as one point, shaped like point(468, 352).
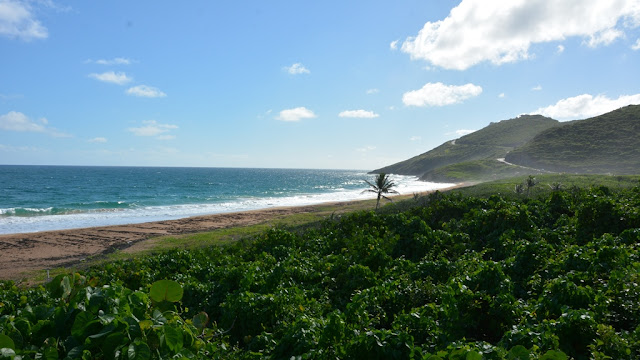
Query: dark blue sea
point(39, 198)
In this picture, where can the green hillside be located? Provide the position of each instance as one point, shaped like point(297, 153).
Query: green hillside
point(476, 171)
point(491, 142)
point(609, 143)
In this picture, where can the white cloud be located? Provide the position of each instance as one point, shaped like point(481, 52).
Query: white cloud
point(296, 114)
point(560, 49)
point(153, 128)
point(636, 46)
point(463, 132)
point(586, 105)
point(537, 88)
point(604, 37)
point(501, 96)
point(501, 32)
point(17, 121)
point(372, 91)
point(97, 140)
point(114, 61)
point(439, 94)
point(119, 78)
point(17, 21)
point(145, 91)
point(415, 138)
point(296, 69)
point(394, 45)
point(358, 114)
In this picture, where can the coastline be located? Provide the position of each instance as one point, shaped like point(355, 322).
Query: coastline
point(24, 254)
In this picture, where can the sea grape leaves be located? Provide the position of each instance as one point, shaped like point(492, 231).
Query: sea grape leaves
point(166, 290)
point(6, 342)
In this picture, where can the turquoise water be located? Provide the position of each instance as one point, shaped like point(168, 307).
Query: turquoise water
point(38, 198)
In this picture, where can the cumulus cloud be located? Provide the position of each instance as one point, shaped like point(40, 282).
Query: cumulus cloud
point(501, 95)
point(372, 91)
point(118, 78)
point(296, 114)
point(501, 32)
point(560, 49)
point(394, 45)
point(18, 22)
point(145, 91)
point(17, 121)
point(358, 114)
point(97, 140)
point(153, 128)
point(636, 46)
point(585, 105)
point(537, 88)
point(296, 69)
point(439, 94)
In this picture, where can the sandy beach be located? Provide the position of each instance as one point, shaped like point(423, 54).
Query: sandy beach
point(24, 254)
point(28, 252)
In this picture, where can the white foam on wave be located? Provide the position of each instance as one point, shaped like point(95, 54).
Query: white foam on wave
point(104, 217)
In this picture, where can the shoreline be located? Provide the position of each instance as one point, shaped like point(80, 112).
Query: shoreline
point(25, 253)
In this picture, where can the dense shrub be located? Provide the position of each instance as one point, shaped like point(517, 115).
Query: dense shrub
point(454, 278)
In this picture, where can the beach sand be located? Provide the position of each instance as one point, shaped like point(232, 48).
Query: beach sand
point(23, 255)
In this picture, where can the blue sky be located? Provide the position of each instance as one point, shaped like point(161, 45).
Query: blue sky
point(292, 84)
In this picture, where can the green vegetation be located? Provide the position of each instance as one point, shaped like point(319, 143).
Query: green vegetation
point(491, 142)
point(446, 276)
point(567, 182)
point(608, 143)
point(476, 171)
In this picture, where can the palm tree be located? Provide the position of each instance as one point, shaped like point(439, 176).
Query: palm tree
point(530, 182)
point(382, 185)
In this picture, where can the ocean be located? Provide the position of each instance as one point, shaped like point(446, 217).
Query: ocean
point(40, 198)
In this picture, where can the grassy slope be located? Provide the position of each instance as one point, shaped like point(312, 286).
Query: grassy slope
point(505, 187)
point(493, 141)
point(478, 170)
point(609, 143)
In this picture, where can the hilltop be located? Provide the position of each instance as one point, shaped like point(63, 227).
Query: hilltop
point(609, 143)
point(492, 142)
point(534, 144)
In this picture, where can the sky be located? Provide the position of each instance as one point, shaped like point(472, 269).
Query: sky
point(297, 84)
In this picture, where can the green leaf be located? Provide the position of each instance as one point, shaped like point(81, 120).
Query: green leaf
point(82, 321)
point(173, 338)
point(473, 355)
point(76, 352)
point(139, 351)
point(66, 287)
point(166, 290)
point(6, 342)
point(201, 320)
point(50, 353)
point(111, 344)
point(518, 352)
point(554, 355)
